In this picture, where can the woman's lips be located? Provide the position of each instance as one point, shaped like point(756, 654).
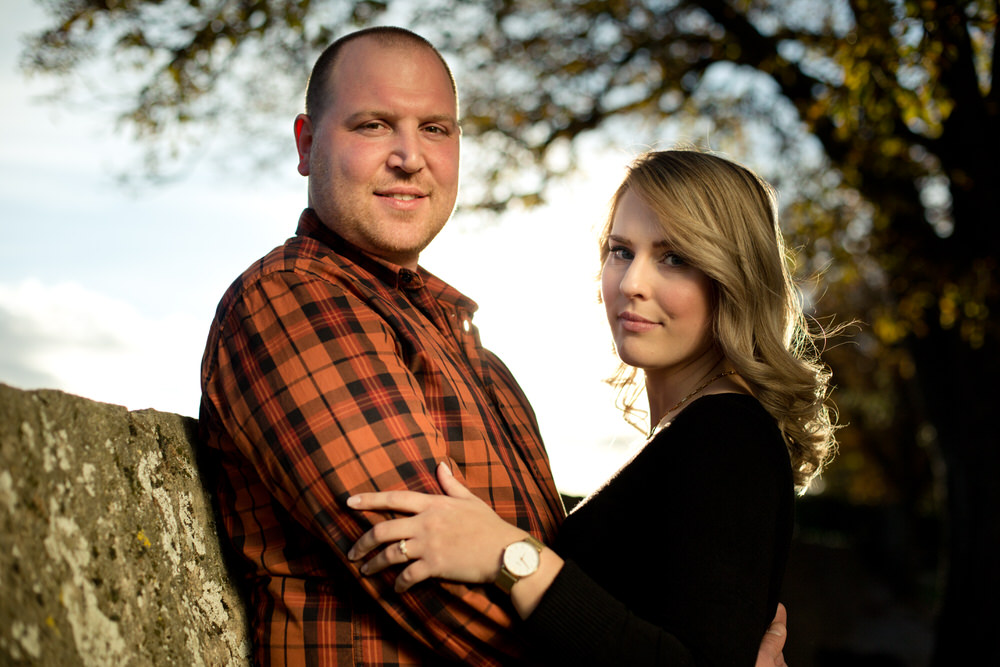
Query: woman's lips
point(635, 323)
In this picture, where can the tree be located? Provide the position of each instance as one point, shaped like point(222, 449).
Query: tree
point(878, 116)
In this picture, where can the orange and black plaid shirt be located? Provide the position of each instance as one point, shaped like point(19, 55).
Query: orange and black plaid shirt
point(327, 373)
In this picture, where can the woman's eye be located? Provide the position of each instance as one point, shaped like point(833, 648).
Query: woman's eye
point(620, 252)
point(673, 259)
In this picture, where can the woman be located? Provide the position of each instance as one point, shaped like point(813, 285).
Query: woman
point(679, 557)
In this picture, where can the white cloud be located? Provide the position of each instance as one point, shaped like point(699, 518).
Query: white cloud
point(64, 336)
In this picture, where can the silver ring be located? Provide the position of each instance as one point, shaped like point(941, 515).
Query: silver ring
point(402, 549)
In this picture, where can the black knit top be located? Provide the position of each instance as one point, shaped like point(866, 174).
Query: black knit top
point(678, 559)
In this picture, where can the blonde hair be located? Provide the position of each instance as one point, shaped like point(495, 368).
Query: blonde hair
point(722, 219)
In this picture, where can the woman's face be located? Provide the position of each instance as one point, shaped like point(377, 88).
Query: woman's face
point(659, 307)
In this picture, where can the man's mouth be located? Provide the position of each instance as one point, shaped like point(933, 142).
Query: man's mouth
point(401, 196)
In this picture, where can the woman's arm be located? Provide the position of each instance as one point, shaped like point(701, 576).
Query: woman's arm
point(455, 536)
point(459, 537)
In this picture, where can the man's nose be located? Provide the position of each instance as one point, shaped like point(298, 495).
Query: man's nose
point(407, 153)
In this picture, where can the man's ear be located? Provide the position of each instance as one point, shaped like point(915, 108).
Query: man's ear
point(303, 141)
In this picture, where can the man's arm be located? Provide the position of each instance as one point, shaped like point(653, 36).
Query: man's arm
point(310, 385)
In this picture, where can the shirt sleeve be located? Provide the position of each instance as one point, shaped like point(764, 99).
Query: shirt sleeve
point(310, 384)
point(692, 537)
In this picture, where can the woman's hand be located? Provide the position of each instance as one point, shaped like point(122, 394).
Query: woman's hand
point(456, 536)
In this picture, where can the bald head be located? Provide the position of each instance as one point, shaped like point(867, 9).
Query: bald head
point(319, 90)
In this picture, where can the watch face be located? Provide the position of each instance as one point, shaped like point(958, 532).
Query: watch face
point(521, 559)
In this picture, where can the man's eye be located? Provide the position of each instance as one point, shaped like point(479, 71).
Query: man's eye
point(438, 130)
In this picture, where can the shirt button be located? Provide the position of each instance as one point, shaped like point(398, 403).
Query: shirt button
point(405, 277)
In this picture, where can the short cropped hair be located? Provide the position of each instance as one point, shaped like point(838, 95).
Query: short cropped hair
point(320, 80)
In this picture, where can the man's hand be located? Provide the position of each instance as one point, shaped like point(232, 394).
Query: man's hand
point(769, 654)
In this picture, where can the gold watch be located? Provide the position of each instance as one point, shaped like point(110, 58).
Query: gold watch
point(519, 560)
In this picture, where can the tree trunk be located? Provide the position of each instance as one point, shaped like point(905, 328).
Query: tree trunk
point(960, 388)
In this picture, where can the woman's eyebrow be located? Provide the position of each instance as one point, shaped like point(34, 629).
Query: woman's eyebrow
point(662, 243)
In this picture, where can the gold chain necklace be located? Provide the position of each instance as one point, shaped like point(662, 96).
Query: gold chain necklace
point(685, 399)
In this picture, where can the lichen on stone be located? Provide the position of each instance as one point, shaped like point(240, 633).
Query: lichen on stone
point(108, 549)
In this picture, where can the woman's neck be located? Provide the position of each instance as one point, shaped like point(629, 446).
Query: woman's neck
point(669, 391)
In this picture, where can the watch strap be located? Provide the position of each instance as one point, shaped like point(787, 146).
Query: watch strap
point(505, 578)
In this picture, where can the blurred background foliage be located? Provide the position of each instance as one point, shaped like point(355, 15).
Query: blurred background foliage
point(876, 120)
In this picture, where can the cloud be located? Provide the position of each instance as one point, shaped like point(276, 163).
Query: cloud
point(64, 336)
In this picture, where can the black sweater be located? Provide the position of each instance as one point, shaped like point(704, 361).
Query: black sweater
point(678, 558)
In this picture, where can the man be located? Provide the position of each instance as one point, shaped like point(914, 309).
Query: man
point(336, 365)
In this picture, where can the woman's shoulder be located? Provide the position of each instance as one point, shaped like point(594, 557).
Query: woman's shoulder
point(730, 422)
point(727, 410)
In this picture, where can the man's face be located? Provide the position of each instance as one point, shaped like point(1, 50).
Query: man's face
point(382, 159)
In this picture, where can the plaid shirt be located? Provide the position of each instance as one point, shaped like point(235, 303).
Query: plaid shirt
point(327, 373)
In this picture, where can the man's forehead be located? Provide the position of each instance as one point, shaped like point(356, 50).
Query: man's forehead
point(375, 68)
point(370, 49)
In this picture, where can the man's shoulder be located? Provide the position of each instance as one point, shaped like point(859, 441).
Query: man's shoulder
point(301, 256)
point(298, 255)
point(299, 259)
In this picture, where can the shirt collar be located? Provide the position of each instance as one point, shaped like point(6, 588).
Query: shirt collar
point(391, 274)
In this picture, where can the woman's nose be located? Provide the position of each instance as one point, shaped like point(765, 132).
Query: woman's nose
point(634, 282)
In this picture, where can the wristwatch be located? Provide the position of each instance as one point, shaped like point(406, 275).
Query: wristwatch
point(519, 560)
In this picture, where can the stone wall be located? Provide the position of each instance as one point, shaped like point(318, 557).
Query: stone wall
point(108, 549)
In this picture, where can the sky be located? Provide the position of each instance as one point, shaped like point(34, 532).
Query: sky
point(108, 292)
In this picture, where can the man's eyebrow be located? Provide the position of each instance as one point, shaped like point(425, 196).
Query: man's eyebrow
point(359, 116)
point(442, 118)
point(369, 114)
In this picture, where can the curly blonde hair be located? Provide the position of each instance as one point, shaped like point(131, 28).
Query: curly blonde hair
point(722, 218)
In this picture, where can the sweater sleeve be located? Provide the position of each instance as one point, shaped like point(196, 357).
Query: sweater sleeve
point(580, 623)
point(678, 559)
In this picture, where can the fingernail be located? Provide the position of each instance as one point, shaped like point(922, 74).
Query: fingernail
point(447, 468)
point(350, 554)
point(364, 569)
point(353, 501)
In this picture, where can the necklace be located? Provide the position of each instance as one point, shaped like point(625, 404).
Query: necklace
point(685, 399)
